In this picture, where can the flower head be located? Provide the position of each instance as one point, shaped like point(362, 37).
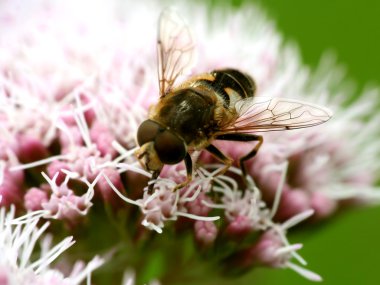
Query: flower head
point(18, 243)
point(73, 93)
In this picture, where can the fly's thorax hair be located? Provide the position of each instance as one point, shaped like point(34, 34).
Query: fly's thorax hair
point(191, 83)
point(188, 108)
point(154, 110)
point(195, 110)
point(221, 114)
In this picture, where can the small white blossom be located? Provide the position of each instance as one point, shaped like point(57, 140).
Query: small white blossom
point(18, 242)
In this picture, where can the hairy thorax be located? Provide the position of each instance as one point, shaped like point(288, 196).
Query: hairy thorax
point(192, 113)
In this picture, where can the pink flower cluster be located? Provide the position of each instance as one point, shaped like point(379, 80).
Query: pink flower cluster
point(75, 83)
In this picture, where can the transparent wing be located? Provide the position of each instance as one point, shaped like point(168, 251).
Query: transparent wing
point(175, 46)
point(260, 114)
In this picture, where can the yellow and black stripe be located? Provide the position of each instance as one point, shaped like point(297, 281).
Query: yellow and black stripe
point(231, 79)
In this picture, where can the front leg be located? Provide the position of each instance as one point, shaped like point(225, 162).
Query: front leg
point(244, 138)
point(189, 173)
point(154, 177)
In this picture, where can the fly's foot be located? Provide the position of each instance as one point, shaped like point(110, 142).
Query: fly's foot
point(183, 184)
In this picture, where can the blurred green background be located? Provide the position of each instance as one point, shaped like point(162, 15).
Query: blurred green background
point(347, 249)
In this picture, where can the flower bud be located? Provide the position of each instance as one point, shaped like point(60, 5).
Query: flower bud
point(31, 149)
point(292, 203)
point(205, 232)
point(34, 198)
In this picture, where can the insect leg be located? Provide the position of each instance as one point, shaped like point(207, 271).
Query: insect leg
point(155, 175)
point(189, 172)
point(219, 155)
point(244, 138)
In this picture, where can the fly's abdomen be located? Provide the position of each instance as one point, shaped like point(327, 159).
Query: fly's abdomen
point(232, 85)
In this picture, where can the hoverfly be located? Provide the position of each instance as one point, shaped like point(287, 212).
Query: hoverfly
point(219, 105)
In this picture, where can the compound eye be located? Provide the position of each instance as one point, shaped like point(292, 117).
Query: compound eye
point(147, 132)
point(170, 148)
